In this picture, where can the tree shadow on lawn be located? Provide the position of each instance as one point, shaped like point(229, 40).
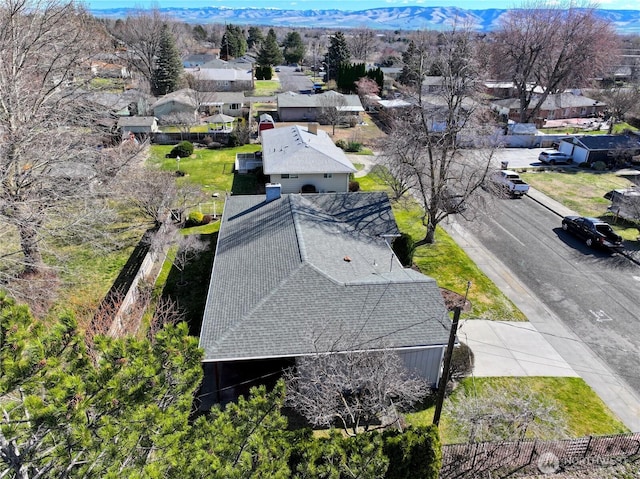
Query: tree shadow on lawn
point(189, 288)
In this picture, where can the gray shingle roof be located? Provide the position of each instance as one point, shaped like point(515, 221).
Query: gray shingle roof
point(294, 100)
point(294, 150)
point(608, 142)
point(553, 102)
point(281, 284)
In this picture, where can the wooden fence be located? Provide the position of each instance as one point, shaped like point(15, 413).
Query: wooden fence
point(510, 459)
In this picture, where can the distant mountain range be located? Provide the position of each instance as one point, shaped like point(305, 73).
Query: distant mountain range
point(392, 18)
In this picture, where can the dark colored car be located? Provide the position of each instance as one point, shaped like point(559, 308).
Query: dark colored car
point(593, 231)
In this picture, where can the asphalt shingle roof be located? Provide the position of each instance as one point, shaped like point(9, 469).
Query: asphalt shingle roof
point(311, 272)
point(609, 142)
point(294, 150)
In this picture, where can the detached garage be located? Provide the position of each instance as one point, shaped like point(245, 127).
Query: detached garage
point(608, 148)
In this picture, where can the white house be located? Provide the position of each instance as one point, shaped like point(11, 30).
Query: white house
point(305, 159)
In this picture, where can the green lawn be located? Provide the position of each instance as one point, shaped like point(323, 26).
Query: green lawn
point(584, 411)
point(266, 87)
point(582, 191)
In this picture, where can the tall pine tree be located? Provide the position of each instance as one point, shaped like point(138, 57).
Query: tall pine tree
point(337, 55)
point(270, 53)
point(166, 74)
point(233, 44)
point(293, 48)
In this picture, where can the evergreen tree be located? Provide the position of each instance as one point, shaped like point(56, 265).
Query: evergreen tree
point(293, 48)
point(233, 44)
point(166, 75)
point(270, 53)
point(199, 33)
point(255, 38)
point(337, 55)
point(413, 69)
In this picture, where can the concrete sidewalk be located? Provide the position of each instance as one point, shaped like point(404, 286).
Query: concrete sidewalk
point(510, 348)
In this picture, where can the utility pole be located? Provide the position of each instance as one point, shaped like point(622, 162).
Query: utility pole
point(442, 387)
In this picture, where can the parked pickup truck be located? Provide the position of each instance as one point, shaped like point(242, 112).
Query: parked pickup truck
point(511, 182)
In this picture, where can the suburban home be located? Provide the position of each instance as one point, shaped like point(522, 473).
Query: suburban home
point(305, 159)
point(610, 149)
point(302, 107)
point(208, 77)
point(180, 102)
point(297, 275)
point(554, 107)
point(226, 102)
point(140, 126)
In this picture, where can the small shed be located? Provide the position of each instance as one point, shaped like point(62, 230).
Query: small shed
point(220, 123)
point(265, 122)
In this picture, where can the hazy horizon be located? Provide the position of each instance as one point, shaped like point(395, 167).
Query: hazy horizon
point(346, 5)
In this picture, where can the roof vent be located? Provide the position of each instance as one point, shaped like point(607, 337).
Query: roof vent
point(347, 259)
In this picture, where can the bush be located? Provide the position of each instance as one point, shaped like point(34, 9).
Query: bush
point(354, 186)
point(404, 247)
point(416, 452)
point(584, 165)
point(353, 147)
point(341, 144)
point(195, 218)
point(599, 166)
point(206, 219)
point(462, 361)
point(184, 149)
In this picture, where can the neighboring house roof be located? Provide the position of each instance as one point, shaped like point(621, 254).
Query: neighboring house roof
point(396, 103)
point(552, 102)
point(220, 74)
point(296, 150)
point(186, 96)
point(606, 142)
point(125, 122)
point(226, 98)
point(295, 100)
point(197, 59)
point(308, 273)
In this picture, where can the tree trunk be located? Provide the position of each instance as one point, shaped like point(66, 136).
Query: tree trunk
point(30, 249)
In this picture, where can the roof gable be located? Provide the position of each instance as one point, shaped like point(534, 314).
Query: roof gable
point(305, 270)
point(296, 150)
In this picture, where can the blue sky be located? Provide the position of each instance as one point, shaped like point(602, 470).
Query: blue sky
point(336, 4)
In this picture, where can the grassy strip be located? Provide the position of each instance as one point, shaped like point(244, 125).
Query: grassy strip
point(586, 416)
point(583, 191)
point(266, 87)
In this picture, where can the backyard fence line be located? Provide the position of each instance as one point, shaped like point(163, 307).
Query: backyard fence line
point(511, 459)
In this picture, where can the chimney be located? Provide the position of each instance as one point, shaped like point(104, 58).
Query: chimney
point(313, 128)
point(273, 191)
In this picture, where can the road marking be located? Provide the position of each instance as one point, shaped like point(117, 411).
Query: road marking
point(502, 228)
point(601, 316)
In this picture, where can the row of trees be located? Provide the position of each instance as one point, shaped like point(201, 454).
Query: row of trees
point(123, 408)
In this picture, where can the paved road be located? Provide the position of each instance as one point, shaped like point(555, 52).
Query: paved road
point(291, 80)
point(589, 297)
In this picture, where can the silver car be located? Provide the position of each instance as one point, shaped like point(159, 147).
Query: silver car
point(553, 157)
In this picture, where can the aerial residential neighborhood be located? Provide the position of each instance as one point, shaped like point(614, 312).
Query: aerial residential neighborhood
point(238, 245)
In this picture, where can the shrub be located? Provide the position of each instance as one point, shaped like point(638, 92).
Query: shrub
point(462, 361)
point(353, 146)
point(233, 140)
point(184, 149)
point(354, 186)
point(341, 144)
point(195, 218)
point(416, 452)
point(404, 247)
point(599, 166)
point(206, 219)
point(584, 165)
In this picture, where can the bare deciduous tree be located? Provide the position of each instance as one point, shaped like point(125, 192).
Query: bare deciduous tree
point(544, 49)
point(188, 248)
point(501, 414)
point(356, 390)
point(442, 146)
point(332, 109)
point(141, 33)
point(620, 100)
point(361, 43)
point(53, 171)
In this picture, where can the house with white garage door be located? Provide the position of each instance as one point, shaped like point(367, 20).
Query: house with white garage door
point(610, 149)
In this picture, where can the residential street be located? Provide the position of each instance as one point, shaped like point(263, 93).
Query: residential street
point(583, 301)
